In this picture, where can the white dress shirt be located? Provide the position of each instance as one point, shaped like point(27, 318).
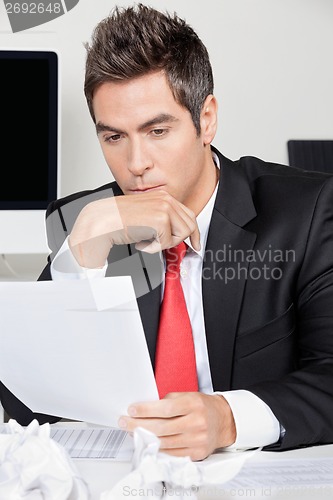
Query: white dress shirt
point(256, 425)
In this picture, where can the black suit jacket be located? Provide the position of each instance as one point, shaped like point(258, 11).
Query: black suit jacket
point(267, 290)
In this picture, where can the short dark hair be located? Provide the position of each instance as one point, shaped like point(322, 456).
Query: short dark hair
point(134, 41)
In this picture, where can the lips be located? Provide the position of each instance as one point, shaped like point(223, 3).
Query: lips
point(145, 189)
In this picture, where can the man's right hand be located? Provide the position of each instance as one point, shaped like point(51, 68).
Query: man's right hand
point(153, 220)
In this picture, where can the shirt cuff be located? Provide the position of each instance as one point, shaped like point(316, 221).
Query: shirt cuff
point(256, 424)
point(64, 266)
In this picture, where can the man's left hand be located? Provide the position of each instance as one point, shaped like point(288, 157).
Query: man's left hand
point(187, 423)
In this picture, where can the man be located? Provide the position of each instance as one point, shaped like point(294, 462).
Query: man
point(258, 271)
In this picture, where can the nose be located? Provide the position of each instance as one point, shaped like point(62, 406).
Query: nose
point(138, 158)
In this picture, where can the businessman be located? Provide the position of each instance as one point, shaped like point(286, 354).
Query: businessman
point(257, 268)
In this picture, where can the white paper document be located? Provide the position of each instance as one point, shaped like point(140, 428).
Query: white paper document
point(75, 349)
point(94, 442)
point(285, 473)
point(89, 442)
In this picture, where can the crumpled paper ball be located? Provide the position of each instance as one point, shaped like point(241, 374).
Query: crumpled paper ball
point(34, 467)
point(157, 475)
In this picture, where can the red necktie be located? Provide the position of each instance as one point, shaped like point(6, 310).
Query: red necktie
point(175, 366)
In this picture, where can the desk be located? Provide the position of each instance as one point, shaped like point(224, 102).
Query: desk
point(102, 475)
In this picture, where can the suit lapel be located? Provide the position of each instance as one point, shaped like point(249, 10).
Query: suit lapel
point(146, 273)
point(149, 307)
point(149, 303)
point(223, 282)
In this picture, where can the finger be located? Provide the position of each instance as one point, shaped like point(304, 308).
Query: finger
point(173, 404)
point(177, 452)
point(157, 409)
point(175, 228)
point(161, 427)
point(189, 218)
point(149, 247)
point(192, 453)
point(174, 441)
point(195, 239)
point(174, 222)
point(195, 234)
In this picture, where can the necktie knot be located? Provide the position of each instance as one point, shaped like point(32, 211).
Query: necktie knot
point(174, 256)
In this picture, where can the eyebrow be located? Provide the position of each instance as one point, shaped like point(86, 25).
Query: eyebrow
point(161, 118)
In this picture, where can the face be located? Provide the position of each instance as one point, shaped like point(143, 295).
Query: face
point(149, 141)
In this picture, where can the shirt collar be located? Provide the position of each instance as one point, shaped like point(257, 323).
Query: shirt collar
point(203, 218)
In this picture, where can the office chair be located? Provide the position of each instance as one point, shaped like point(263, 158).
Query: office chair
point(311, 154)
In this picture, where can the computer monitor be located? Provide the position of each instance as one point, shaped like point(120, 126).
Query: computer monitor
point(29, 90)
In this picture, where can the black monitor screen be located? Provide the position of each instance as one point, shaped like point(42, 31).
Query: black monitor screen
point(29, 125)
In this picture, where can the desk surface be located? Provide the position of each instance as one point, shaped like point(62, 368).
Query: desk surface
point(102, 475)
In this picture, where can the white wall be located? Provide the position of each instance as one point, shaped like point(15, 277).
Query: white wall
point(272, 63)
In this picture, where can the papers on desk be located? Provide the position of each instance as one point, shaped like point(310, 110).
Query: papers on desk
point(88, 442)
point(94, 442)
point(291, 473)
point(250, 473)
point(75, 349)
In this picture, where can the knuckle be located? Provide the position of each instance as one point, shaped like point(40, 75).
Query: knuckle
point(201, 424)
point(168, 407)
point(164, 206)
point(191, 214)
point(198, 404)
point(164, 194)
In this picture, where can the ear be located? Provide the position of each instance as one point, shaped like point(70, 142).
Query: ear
point(208, 119)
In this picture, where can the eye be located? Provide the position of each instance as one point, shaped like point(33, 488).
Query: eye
point(112, 138)
point(159, 132)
